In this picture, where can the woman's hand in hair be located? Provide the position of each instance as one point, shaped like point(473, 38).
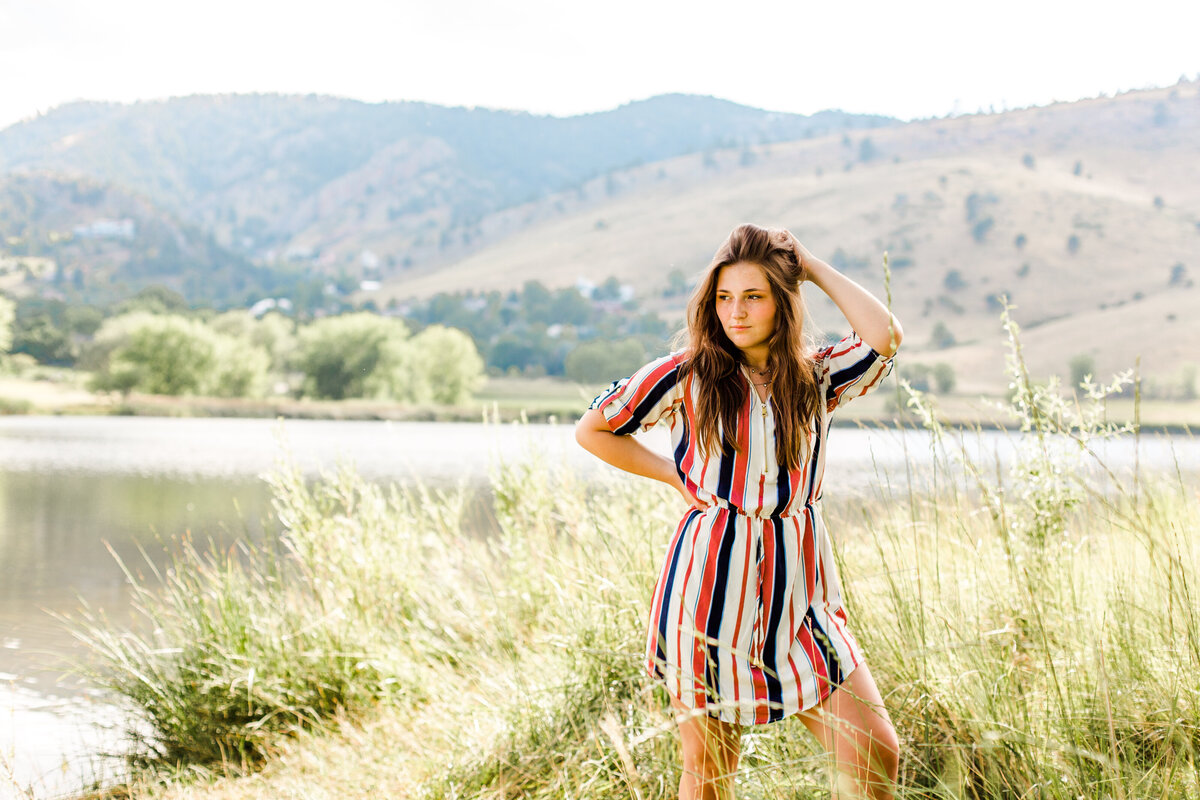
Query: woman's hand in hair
point(869, 317)
point(803, 257)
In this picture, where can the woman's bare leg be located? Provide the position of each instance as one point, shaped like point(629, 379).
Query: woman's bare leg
point(710, 755)
point(853, 726)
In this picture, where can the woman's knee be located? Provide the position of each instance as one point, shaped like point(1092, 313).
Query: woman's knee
point(710, 747)
point(885, 751)
point(711, 759)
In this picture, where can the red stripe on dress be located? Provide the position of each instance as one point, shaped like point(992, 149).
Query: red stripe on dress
point(767, 592)
point(689, 457)
point(799, 685)
point(659, 589)
point(679, 620)
point(810, 558)
point(878, 377)
point(741, 459)
point(761, 712)
point(737, 627)
point(633, 393)
point(840, 353)
point(832, 618)
point(841, 632)
point(704, 608)
point(838, 618)
point(815, 662)
point(799, 538)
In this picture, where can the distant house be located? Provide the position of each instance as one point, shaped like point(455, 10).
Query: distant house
point(270, 304)
point(106, 229)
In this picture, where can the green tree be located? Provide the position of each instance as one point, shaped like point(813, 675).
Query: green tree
point(359, 355)
point(867, 150)
point(158, 354)
point(941, 338)
point(598, 361)
point(452, 367)
point(276, 334)
point(7, 312)
point(676, 283)
point(1082, 366)
point(273, 333)
point(980, 229)
point(609, 290)
point(156, 299)
point(943, 377)
point(917, 375)
point(39, 337)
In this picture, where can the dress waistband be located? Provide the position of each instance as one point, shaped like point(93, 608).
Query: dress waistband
point(723, 503)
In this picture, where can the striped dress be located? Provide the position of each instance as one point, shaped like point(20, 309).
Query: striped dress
point(746, 619)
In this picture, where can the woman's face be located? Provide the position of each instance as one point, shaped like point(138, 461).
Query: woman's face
point(746, 307)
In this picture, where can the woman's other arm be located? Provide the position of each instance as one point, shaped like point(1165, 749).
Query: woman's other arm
point(869, 318)
point(626, 453)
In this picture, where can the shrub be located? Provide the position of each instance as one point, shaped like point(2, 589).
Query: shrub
point(980, 229)
point(953, 281)
point(943, 378)
point(155, 353)
point(941, 338)
point(359, 355)
point(597, 361)
point(1082, 367)
point(448, 363)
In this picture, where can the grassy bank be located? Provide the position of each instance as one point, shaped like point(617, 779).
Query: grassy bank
point(47, 390)
point(1043, 642)
point(53, 390)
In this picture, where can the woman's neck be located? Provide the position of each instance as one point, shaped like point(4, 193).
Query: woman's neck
point(755, 358)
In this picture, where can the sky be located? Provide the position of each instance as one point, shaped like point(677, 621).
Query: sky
point(909, 60)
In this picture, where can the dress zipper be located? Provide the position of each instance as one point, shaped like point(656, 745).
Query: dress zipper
point(763, 405)
point(764, 435)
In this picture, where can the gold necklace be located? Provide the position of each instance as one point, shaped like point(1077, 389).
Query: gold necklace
point(763, 372)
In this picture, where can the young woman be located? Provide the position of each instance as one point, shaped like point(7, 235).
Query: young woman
point(747, 624)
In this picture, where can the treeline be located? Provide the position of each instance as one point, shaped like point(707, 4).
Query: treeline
point(155, 344)
point(437, 350)
point(583, 333)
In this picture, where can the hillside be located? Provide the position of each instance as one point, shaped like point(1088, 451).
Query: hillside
point(336, 183)
point(1085, 215)
point(104, 242)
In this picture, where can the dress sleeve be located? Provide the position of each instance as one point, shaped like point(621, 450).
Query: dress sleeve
point(850, 369)
point(645, 398)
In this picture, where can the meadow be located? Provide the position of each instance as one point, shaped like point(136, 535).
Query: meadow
point(1034, 628)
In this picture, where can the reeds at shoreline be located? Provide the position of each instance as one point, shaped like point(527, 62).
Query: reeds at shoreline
point(1034, 636)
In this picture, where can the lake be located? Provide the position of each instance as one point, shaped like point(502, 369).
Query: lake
point(76, 493)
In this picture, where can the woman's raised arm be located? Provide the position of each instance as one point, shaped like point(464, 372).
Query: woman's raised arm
point(869, 318)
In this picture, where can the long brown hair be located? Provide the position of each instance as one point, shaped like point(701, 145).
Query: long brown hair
point(713, 359)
